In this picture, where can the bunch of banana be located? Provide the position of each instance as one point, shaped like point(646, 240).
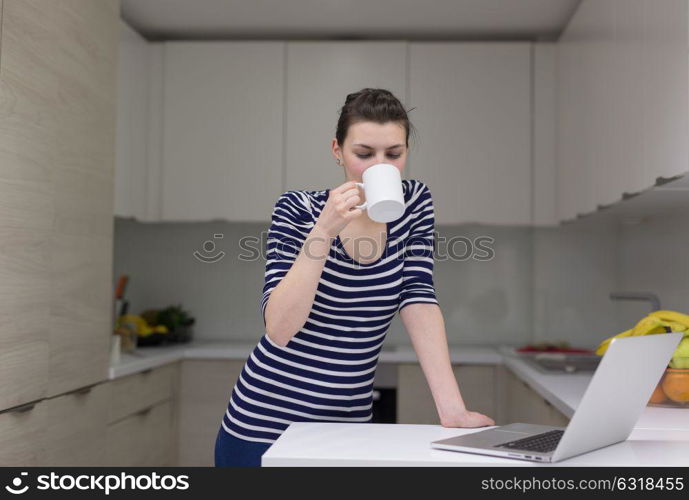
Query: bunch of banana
point(139, 325)
point(659, 322)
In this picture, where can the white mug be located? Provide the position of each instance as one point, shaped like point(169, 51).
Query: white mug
point(384, 197)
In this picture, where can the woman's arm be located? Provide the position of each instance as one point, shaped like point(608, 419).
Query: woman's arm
point(426, 327)
point(290, 302)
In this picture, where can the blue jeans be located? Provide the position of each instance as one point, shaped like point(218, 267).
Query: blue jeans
point(231, 451)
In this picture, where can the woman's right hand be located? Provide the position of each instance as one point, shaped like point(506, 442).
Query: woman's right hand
point(338, 212)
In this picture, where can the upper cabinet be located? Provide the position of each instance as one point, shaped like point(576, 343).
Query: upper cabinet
point(472, 108)
point(222, 130)
point(134, 78)
point(510, 133)
point(319, 77)
point(622, 101)
point(229, 126)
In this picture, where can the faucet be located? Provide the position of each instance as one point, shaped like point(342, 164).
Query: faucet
point(642, 296)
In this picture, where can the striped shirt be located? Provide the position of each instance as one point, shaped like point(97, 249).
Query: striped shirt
point(325, 372)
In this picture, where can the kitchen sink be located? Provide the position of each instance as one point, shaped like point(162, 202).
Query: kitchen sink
point(562, 363)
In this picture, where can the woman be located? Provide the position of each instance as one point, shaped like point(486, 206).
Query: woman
point(335, 279)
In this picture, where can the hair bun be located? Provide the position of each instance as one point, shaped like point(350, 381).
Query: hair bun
point(371, 104)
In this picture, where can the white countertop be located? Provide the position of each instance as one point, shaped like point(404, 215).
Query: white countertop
point(154, 356)
point(335, 444)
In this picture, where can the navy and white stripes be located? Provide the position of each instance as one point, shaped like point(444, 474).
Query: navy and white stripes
point(325, 373)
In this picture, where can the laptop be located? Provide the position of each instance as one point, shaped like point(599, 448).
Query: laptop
point(612, 404)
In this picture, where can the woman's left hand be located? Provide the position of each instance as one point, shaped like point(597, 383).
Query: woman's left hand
point(467, 418)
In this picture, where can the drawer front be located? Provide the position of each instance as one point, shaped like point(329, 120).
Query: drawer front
point(76, 424)
point(145, 439)
point(21, 436)
point(136, 392)
point(205, 391)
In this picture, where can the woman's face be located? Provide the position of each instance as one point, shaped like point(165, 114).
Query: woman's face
point(370, 143)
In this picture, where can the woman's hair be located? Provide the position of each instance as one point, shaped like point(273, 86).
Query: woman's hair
point(376, 105)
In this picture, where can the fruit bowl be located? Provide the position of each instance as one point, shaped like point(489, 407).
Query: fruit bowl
point(672, 390)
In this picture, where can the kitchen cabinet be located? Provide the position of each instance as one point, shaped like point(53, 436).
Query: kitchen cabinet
point(56, 183)
point(142, 439)
point(74, 426)
point(142, 422)
point(491, 389)
point(472, 108)
point(135, 392)
point(320, 75)
point(134, 81)
point(206, 386)
point(222, 130)
point(473, 111)
point(415, 404)
point(622, 100)
point(21, 435)
point(80, 250)
point(26, 147)
point(523, 404)
point(544, 116)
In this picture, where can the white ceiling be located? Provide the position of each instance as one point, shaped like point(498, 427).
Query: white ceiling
point(349, 19)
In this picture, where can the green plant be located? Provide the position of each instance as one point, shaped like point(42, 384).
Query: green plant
point(174, 317)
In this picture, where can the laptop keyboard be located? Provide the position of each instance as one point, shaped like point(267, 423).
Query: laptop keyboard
point(543, 443)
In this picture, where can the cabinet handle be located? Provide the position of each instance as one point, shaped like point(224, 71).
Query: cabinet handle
point(146, 371)
point(144, 411)
point(83, 391)
point(22, 408)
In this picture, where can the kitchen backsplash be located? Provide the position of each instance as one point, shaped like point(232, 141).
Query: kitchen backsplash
point(506, 285)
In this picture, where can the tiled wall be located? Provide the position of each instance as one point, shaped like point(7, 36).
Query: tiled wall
point(541, 284)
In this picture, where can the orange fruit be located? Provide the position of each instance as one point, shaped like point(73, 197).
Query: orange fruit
point(658, 395)
point(676, 384)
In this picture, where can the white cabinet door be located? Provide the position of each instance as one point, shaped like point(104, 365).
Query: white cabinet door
point(319, 77)
point(222, 130)
point(602, 183)
point(473, 114)
point(132, 125)
point(568, 124)
point(623, 97)
point(666, 86)
point(629, 166)
point(544, 166)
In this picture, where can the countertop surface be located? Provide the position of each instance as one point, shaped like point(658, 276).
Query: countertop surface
point(153, 356)
point(335, 444)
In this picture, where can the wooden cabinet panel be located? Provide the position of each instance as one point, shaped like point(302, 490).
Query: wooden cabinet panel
point(136, 392)
point(56, 167)
point(75, 425)
point(415, 404)
point(26, 147)
point(21, 436)
point(206, 386)
point(80, 250)
point(144, 439)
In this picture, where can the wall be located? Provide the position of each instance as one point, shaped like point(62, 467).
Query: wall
point(483, 301)
point(653, 256)
point(542, 283)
